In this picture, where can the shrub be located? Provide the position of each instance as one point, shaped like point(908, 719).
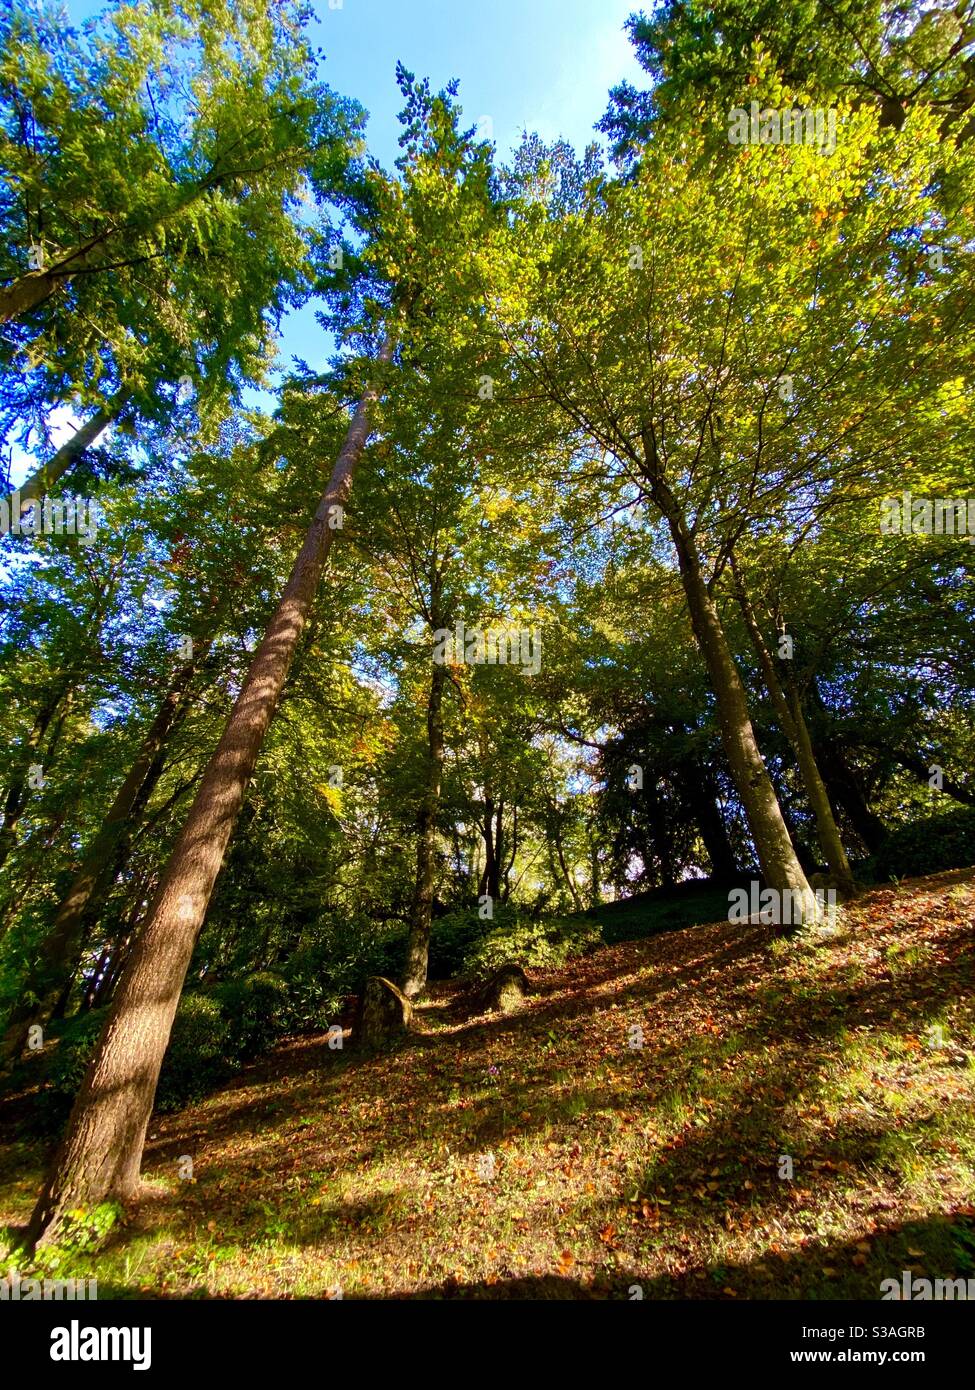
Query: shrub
point(928, 846)
point(256, 1010)
point(545, 944)
point(200, 1053)
point(199, 1056)
point(386, 958)
point(455, 935)
point(67, 1067)
point(337, 963)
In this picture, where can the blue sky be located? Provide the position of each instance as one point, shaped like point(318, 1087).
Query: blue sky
point(537, 64)
point(544, 65)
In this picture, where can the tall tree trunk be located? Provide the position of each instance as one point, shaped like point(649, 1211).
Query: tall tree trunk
point(827, 829)
point(100, 864)
point(843, 781)
point(780, 866)
point(103, 980)
point(595, 885)
point(804, 852)
point(104, 988)
point(788, 709)
point(69, 453)
point(660, 836)
point(489, 878)
point(421, 909)
point(96, 977)
point(60, 1005)
point(512, 856)
point(15, 800)
point(494, 878)
point(701, 793)
point(101, 1153)
point(556, 839)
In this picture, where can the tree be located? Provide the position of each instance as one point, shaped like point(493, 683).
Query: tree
point(658, 322)
point(887, 55)
point(148, 153)
point(101, 1152)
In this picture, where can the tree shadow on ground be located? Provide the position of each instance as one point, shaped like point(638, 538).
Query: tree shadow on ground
point(313, 1115)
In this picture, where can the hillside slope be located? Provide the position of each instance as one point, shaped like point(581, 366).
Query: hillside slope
point(547, 1154)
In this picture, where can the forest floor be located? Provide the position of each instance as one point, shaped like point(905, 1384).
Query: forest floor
point(542, 1154)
